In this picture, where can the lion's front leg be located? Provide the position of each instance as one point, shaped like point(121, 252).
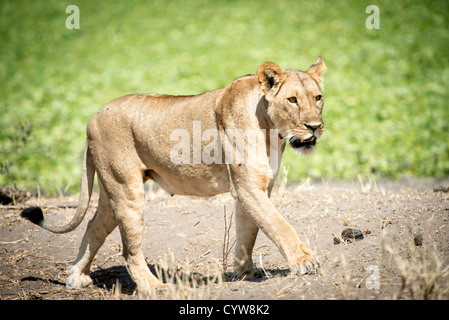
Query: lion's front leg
point(298, 255)
point(259, 207)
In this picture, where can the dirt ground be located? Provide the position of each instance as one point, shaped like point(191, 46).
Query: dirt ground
point(404, 253)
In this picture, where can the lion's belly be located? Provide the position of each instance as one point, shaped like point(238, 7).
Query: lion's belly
point(193, 180)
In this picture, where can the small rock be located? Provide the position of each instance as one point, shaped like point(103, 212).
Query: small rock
point(441, 189)
point(13, 196)
point(351, 233)
point(418, 239)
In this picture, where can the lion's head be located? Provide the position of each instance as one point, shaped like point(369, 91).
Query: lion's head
point(295, 103)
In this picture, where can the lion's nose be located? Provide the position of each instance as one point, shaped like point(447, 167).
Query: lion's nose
point(312, 126)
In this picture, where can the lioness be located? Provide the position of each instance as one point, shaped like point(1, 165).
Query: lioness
point(130, 140)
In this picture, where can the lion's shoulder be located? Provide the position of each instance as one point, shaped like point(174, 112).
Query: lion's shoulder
point(240, 93)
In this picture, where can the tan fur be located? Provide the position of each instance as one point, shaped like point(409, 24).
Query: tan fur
point(128, 142)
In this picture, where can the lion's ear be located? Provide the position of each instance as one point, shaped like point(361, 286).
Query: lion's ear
point(317, 69)
point(270, 77)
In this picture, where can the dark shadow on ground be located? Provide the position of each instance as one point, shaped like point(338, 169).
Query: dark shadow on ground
point(109, 278)
point(43, 280)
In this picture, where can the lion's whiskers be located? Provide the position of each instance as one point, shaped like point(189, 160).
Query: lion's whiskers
point(327, 134)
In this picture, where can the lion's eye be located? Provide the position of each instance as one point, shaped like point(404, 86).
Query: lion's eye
point(292, 100)
point(318, 97)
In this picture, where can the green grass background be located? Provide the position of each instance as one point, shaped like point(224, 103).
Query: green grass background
point(386, 90)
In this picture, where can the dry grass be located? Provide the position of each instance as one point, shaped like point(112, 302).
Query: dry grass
point(181, 283)
point(227, 246)
point(423, 273)
point(192, 252)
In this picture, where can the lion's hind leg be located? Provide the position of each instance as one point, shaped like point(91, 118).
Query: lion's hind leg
point(127, 201)
point(99, 227)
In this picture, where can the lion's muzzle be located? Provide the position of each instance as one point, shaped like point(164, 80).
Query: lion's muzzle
point(297, 142)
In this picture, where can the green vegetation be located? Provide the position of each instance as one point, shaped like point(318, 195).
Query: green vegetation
point(385, 90)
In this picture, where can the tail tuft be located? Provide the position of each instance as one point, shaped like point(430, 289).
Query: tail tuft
point(33, 214)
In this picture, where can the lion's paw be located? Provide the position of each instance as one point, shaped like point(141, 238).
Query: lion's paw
point(307, 267)
point(77, 280)
point(308, 263)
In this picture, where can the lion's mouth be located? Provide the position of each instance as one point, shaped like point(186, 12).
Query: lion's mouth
point(296, 142)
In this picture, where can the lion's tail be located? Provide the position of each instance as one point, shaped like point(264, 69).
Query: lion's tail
point(35, 215)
